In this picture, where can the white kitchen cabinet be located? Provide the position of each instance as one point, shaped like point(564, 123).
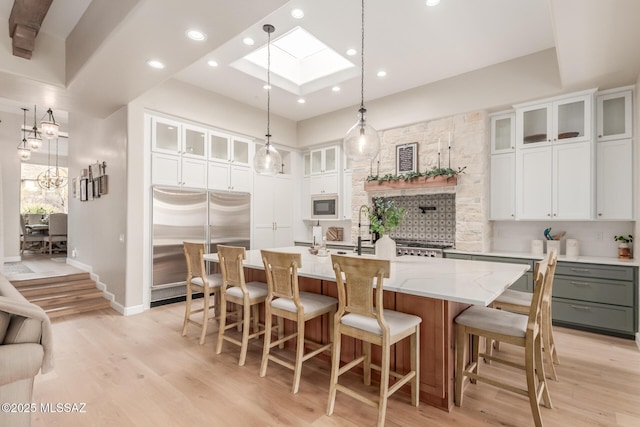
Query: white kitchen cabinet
point(503, 175)
point(305, 210)
point(306, 161)
point(229, 168)
point(614, 180)
point(614, 114)
point(273, 211)
point(503, 133)
point(166, 136)
point(194, 142)
point(326, 183)
point(554, 183)
point(557, 120)
point(180, 171)
point(324, 160)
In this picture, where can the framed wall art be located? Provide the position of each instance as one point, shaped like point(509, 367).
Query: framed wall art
point(406, 158)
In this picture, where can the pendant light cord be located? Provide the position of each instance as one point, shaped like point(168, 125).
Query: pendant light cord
point(362, 62)
point(268, 135)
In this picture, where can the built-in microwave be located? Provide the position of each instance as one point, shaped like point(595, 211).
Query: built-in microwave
point(324, 206)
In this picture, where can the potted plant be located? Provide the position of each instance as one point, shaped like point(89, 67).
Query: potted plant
point(624, 251)
point(384, 217)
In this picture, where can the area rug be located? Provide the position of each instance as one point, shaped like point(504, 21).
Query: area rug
point(16, 268)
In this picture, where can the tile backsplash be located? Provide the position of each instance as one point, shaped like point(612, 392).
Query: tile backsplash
point(433, 224)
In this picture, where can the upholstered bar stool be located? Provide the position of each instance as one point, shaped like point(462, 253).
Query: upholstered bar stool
point(286, 301)
point(357, 317)
point(520, 302)
point(236, 290)
point(199, 281)
point(512, 328)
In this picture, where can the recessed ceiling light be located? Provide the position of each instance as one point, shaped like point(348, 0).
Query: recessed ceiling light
point(432, 2)
point(382, 73)
point(212, 63)
point(266, 87)
point(351, 52)
point(336, 89)
point(301, 101)
point(155, 64)
point(297, 13)
point(248, 41)
point(196, 35)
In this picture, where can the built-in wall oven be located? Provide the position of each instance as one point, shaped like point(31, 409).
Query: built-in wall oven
point(324, 206)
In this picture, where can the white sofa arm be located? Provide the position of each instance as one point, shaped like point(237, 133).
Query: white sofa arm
point(19, 361)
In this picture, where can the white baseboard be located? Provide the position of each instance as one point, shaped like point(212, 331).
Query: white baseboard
point(81, 266)
point(12, 259)
point(127, 311)
point(638, 340)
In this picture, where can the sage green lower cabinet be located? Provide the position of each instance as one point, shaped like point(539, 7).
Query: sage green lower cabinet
point(595, 297)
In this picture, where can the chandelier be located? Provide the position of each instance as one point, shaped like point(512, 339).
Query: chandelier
point(23, 150)
point(33, 141)
point(52, 178)
point(267, 160)
point(362, 141)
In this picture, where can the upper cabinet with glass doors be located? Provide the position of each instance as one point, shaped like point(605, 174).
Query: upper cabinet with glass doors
point(228, 148)
point(503, 133)
point(323, 160)
point(614, 114)
point(166, 136)
point(556, 120)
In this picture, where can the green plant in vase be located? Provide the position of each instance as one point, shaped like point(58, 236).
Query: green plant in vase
point(384, 217)
point(624, 251)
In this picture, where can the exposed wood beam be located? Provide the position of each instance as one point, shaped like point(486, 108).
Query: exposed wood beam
point(24, 24)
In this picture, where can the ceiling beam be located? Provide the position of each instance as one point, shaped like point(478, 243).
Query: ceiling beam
point(24, 24)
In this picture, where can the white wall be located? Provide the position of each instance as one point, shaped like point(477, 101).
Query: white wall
point(10, 136)
point(95, 226)
point(534, 76)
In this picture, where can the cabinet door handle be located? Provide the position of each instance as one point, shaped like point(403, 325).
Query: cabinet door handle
point(580, 307)
point(555, 214)
point(599, 214)
point(599, 136)
point(581, 283)
point(548, 214)
point(582, 270)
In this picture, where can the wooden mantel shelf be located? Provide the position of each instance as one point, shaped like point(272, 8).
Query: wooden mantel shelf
point(421, 182)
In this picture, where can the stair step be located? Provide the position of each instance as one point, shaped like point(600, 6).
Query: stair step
point(54, 288)
point(66, 297)
point(78, 307)
point(52, 279)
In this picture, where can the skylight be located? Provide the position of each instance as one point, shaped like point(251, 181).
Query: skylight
point(298, 57)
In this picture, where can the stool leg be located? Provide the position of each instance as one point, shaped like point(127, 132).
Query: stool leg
point(223, 322)
point(267, 339)
point(297, 371)
point(415, 366)
point(246, 309)
point(205, 314)
point(366, 351)
point(187, 311)
point(335, 367)
point(530, 370)
point(384, 383)
point(461, 350)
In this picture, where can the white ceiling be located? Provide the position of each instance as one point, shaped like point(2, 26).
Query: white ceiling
point(416, 45)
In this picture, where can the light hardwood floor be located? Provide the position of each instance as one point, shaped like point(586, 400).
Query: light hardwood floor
point(139, 371)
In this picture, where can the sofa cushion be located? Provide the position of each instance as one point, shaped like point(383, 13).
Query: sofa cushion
point(23, 330)
point(5, 318)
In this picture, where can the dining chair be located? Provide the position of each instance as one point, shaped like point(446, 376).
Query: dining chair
point(199, 280)
point(358, 317)
point(247, 296)
point(27, 238)
point(286, 301)
point(57, 229)
point(512, 328)
point(520, 302)
point(34, 219)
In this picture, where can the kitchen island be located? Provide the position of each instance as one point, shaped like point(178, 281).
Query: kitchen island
point(436, 289)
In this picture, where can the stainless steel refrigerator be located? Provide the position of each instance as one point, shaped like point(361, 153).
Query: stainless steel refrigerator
point(181, 215)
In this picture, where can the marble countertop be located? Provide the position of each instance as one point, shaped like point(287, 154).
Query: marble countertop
point(580, 259)
point(463, 281)
point(338, 243)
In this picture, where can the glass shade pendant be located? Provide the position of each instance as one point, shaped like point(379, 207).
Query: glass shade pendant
point(362, 141)
point(34, 140)
point(267, 160)
point(23, 150)
point(50, 128)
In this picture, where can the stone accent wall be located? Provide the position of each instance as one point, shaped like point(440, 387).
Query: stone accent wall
point(470, 147)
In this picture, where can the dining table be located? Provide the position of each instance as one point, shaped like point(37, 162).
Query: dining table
point(435, 289)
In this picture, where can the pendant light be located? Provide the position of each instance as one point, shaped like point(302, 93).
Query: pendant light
point(23, 150)
point(267, 160)
point(362, 141)
point(50, 128)
point(34, 139)
point(52, 179)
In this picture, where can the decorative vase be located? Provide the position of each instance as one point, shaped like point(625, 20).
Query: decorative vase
point(624, 252)
point(386, 247)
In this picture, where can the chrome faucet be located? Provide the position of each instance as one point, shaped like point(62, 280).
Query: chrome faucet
point(366, 208)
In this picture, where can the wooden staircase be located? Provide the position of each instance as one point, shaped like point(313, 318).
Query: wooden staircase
point(63, 295)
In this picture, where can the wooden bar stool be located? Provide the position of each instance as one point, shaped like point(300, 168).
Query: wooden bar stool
point(358, 318)
point(247, 296)
point(198, 280)
point(520, 302)
point(286, 301)
point(512, 328)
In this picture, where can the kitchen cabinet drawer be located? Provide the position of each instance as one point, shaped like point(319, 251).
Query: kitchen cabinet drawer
point(594, 270)
point(501, 259)
point(589, 314)
point(595, 290)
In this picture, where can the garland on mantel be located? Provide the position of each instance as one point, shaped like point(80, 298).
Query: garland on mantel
point(432, 173)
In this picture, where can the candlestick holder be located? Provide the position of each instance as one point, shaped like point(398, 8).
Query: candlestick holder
point(449, 156)
point(438, 160)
